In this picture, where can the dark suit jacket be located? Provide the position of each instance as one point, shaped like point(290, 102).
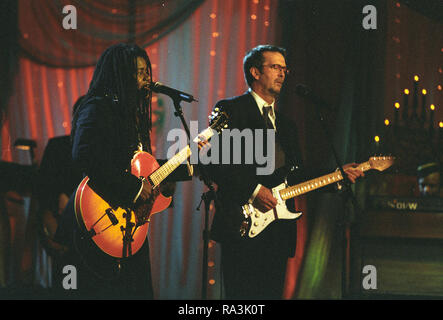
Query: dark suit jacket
point(236, 182)
point(57, 173)
point(102, 151)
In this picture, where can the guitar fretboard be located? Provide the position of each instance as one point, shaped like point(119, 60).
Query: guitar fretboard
point(166, 169)
point(316, 183)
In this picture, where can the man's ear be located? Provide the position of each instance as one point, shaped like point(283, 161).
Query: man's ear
point(255, 72)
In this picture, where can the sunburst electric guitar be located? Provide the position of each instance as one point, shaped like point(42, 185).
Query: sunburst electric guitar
point(256, 221)
point(116, 231)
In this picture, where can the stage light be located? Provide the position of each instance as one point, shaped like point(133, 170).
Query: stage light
point(27, 145)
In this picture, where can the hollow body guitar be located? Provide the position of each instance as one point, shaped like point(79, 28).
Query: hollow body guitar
point(116, 231)
point(256, 221)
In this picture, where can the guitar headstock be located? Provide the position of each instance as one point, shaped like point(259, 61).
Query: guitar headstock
point(218, 120)
point(381, 163)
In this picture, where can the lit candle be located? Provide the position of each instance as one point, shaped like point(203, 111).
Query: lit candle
point(415, 98)
point(377, 144)
point(431, 121)
point(431, 118)
point(397, 107)
point(405, 104)
point(423, 106)
point(440, 125)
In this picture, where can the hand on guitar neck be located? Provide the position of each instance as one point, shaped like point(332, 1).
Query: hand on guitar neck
point(353, 172)
point(265, 201)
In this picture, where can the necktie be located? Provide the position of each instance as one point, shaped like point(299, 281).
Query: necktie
point(279, 153)
point(267, 111)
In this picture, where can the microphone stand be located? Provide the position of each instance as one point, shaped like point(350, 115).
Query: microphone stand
point(206, 198)
point(347, 194)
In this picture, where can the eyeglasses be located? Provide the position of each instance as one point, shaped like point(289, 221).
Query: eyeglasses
point(279, 68)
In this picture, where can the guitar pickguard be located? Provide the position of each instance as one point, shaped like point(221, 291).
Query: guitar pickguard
point(260, 220)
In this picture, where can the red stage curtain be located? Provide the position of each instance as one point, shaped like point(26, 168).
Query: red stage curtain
point(202, 56)
point(99, 25)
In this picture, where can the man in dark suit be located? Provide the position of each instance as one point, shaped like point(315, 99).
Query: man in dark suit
point(255, 268)
point(112, 122)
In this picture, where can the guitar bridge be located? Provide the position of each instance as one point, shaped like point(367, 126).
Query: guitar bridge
point(247, 210)
point(244, 228)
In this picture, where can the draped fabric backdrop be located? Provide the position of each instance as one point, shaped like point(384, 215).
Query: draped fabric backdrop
point(197, 47)
point(194, 46)
point(360, 73)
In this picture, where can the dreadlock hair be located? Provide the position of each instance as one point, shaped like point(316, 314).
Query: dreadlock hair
point(114, 77)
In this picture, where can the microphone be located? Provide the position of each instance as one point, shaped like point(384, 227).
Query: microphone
point(306, 92)
point(171, 92)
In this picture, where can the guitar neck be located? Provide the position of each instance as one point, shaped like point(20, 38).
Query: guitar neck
point(167, 168)
point(314, 184)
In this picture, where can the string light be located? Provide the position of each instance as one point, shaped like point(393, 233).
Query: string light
point(386, 122)
point(406, 91)
point(397, 105)
point(377, 139)
point(432, 107)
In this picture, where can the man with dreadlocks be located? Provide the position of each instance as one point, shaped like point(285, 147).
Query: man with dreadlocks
point(113, 121)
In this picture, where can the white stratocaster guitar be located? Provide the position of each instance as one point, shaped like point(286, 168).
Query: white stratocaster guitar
point(260, 220)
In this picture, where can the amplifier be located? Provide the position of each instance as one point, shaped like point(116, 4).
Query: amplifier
point(425, 204)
